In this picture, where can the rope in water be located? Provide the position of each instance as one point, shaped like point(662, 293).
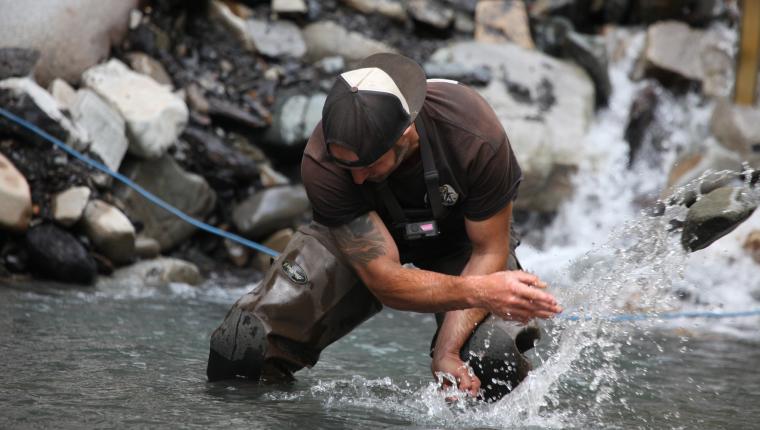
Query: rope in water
point(261, 248)
point(145, 193)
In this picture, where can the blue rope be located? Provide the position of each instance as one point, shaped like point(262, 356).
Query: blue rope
point(666, 315)
point(145, 193)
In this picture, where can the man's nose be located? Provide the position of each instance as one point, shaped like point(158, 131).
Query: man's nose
point(360, 175)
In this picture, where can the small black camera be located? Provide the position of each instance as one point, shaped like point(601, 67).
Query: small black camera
point(419, 230)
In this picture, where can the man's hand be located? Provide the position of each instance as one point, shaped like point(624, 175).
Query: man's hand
point(449, 362)
point(515, 295)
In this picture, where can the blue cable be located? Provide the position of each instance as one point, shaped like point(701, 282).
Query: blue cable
point(145, 193)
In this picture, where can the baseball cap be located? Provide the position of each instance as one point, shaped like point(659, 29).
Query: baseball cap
point(368, 108)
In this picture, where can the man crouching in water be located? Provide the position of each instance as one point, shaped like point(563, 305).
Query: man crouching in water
point(400, 170)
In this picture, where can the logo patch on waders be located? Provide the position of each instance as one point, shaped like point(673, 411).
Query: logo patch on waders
point(295, 272)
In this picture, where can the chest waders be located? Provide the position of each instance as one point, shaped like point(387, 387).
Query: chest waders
point(310, 297)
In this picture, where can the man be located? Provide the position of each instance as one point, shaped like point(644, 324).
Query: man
point(402, 170)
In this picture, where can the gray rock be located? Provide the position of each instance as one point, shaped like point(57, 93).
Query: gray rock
point(640, 119)
point(68, 206)
point(71, 35)
point(26, 99)
point(503, 21)
point(63, 93)
point(390, 8)
point(534, 96)
point(187, 192)
point(110, 231)
point(147, 247)
point(590, 52)
point(270, 210)
point(225, 110)
point(141, 62)
point(331, 65)
point(224, 163)
point(156, 273)
point(464, 23)
point(295, 118)
point(738, 129)
point(16, 198)
point(715, 215)
point(431, 12)
point(105, 127)
point(272, 178)
point(56, 254)
point(154, 116)
point(221, 13)
point(290, 6)
point(327, 39)
point(464, 73)
point(693, 164)
point(463, 5)
point(276, 38)
point(17, 62)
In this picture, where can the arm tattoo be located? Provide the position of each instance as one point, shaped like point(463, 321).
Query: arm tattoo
point(360, 241)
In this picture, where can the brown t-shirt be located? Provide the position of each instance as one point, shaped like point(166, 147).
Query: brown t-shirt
point(472, 155)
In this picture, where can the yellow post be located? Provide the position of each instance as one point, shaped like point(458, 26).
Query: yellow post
point(745, 90)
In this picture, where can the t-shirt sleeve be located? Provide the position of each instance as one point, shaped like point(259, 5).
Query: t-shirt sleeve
point(335, 200)
point(496, 175)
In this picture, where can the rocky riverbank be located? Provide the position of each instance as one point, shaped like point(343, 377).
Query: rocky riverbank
point(207, 104)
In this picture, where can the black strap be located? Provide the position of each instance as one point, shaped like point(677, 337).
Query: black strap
point(391, 204)
point(431, 174)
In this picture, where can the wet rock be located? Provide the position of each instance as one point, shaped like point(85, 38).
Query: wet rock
point(147, 247)
point(390, 8)
point(503, 21)
point(221, 12)
point(270, 210)
point(534, 95)
point(640, 118)
point(272, 178)
point(464, 73)
point(237, 253)
point(738, 129)
point(327, 39)
point(23, 97)
point(187, 192)
point(294, 119)
point(63, 93)
point(141, 62)
point(156, 273)
point(17, 62)
point(276, 38)
point(290, 6)
point(226, 111)
point(752, 245)
point(56, 254)
point(430, 13)
point(16, 198)
point(71, 36)
point(105, 127)
point(223, 163)
point(590, 52)
point(110, 231)
point(68, 206)
point(693, 164)
point(677, 56)
point(715, 215)
point(277, 241)
point(154, 116)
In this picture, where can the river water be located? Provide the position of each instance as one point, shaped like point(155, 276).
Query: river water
point(132, 356)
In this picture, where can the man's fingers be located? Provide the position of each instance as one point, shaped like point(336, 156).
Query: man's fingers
point(475, 387)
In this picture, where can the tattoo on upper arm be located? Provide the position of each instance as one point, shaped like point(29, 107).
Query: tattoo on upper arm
point(360, 241)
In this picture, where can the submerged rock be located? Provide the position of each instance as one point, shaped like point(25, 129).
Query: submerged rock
point(156, 273)
point(715, 215)
point(16, 198)
point(270, 210)
point(56, 254)
point(69, 205)
point(110, 231)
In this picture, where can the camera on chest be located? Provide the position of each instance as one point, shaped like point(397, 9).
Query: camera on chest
point(420, 230)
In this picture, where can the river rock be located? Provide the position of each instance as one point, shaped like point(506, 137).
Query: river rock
point(431, 13)
point(223, 110)
point(545, 105)
point(464, 73)
point(147, 247)
point(752, 245)
point(738, 129)
point(187, 192)
point(223, 163)
point(71, 35)
point(143, 63)
point(276, 38)
point(110, 231)
point(715, 215)
point(25, 98)
point(104, 125)
point(63, 93)
point(694, 12)
point(272, 178)
point(331, 65)
point(676, 54)
point(236, 25)
point(16, 198)
point(640, 118)
point(270, 210)
point(327, 39)
point(69, 205)
point(590, 52)
point(295, 117)
point(156, 273)
point(290, 6)
point(154, 116)
point(17, 62)
point(277, 242)
point(56, 254)
point(499, 21)
point(692, 164)
point(390, 8)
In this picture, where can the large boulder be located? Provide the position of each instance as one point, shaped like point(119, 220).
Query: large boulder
point(156, 273)
point(16, 198)
point(327, 39)
point(56, 254)
point(71, 35)
point(185, 191)
point(28, 100)
point(715, 215)
point(676, 55)
point(154, 116)
point(270, 210)
point(545, 105)
point(69, 205)
point(738, 129)
point(110, 231)
point(105, 127)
